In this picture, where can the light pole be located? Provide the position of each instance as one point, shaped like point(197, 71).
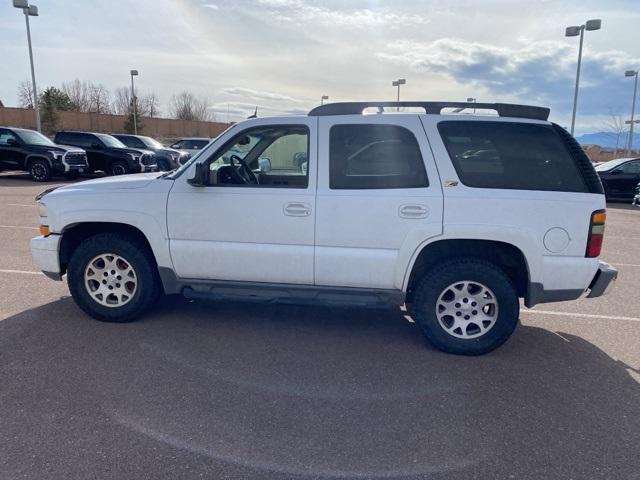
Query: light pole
point(632, 73)
point(134, 73)
point(30, 11)
point(323, 98)
point(397, 83)
point(574, 31)
point(473, 100)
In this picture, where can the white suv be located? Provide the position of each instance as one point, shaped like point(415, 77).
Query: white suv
point(456, 216)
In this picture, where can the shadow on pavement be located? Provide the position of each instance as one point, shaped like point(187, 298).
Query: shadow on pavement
point(266, 391)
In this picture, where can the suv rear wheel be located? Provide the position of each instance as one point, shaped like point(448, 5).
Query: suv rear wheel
point(40, 170)
point(113, 277)
point(119, 168)
point(466, 306)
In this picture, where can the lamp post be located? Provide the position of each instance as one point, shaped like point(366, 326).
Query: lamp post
point(30, 11)
point(397, 83)
point(632, 73)
point(574, 31)
point(134, 73)
point(323, 98)
point(472, 100)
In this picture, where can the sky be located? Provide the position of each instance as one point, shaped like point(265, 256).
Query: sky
point(283, 55)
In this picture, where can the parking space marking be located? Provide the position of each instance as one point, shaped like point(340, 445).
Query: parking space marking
point(626, 265)
point(21, 205)
point(19, 227)
point(578, 314)
point(23, 272)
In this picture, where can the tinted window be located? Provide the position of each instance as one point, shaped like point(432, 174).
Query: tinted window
point(510, 155)
point(75, 139)
point(194, 144)
point(130, 141)
point(632, 168)
point(374, 156)
point(5, 135)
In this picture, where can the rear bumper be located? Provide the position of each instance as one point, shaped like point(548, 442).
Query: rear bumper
point(603, 280)
point(44, 250)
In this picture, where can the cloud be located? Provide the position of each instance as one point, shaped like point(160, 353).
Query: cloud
point(211, 6)
point(542, 72)
point(257, 94)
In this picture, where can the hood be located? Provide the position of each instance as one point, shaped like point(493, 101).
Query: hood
point(54, 148)
point(169, 151)
point(136, 151)
point(120, 182)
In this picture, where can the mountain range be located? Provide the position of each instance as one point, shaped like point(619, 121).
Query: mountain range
point(608, 139)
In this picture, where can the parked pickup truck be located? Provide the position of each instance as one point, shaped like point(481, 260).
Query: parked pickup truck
point(385, 209)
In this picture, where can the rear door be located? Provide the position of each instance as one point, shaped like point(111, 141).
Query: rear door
point(378, 197)
point(10, 153)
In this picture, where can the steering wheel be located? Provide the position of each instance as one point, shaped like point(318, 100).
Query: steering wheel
point(243, 171)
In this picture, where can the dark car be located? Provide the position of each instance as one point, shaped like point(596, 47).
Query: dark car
point(636, 199)
point(30, 151)
point(166, 158)
point(620, 178)
point(109, 154)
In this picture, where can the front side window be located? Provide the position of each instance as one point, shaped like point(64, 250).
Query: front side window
point(34, 138)
point(509, 155)
point(374, 157)
point(110, 141)
point(5, 136)
point(268, 156)
point(630, 168)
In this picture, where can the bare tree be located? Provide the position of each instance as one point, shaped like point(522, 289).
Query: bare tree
point(149, 103)
point(121, 101)
point(617, 131)
point(186, 106)
point(99, 99)
point(25, 94)
point(78, 93)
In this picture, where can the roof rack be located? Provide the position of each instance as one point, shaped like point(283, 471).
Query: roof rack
point(503, 109)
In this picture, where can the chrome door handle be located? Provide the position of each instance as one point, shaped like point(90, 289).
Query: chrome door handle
point(297, 209)
point(413, 211)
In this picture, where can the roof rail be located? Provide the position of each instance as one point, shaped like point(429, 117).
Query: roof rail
point(503, 109)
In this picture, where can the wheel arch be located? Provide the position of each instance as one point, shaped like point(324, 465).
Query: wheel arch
point(74, 234)
point(505, 255)
point(35, 156)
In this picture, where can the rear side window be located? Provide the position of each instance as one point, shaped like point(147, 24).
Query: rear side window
point(520, 156)
point(374, 157)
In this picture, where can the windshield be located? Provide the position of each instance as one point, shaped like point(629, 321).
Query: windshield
point(603, 167)
point(151, 143)
point(110, 141)
point(33, 138)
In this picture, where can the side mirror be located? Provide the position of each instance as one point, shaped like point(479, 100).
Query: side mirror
point(200, 177)
point(264, 164)
point(12, 141)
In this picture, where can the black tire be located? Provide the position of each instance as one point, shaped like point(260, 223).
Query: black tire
point(139, 258)
point(435, 282)
point(163, 166)
point(119, 167)
point(40, 170)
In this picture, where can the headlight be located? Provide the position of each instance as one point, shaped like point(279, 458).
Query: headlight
point(42, 209)
point(57, 155)
point(135, 156)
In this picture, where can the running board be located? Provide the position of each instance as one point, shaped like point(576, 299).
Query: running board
point(293, 294)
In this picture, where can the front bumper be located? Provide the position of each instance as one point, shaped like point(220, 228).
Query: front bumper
point(45, 253)
point(636, 200)
point(603, 280)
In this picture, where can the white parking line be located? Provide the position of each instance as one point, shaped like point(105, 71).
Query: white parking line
point(625, 264)
point(19, 227)
point(578, 314)
point(23, 272)
point(20, 205)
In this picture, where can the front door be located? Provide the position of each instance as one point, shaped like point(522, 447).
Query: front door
point(254, 220)
point(379, 196)
point(10, 156)
point(623, 180)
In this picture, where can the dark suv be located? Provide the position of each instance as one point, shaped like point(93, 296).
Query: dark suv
point(166, 158)
point(28, 150)
point(109, 154)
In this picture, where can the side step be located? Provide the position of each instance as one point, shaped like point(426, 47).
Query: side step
point(293, 294)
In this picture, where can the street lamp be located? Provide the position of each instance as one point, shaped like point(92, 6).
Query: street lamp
point(632, 73)
point(472, 100)
point(574, 31)
point(323, 98)
point(397, 83)
point(134, 73)
point(30, 11)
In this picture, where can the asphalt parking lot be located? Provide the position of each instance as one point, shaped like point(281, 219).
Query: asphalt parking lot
point(210, 390)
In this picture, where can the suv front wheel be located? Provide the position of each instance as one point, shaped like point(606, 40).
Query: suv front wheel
point(466, 306)
point(113, 277)
point(40, 170)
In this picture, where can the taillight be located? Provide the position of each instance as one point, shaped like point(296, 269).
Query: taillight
point(596, 233)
